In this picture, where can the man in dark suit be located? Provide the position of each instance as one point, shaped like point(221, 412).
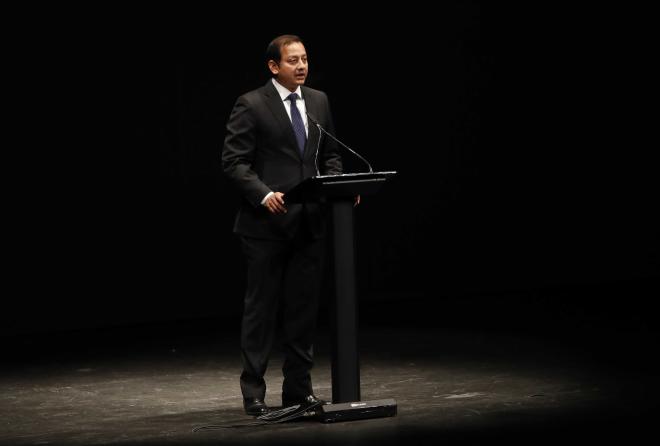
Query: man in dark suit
point(269, 148)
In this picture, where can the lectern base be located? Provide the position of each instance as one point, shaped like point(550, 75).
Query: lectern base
point(359, 410)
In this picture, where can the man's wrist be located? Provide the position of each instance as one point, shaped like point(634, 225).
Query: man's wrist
point(266, 197)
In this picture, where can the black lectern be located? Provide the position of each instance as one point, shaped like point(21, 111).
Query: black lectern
point(340, 191)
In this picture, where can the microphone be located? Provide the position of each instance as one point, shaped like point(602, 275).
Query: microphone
point(321, 129)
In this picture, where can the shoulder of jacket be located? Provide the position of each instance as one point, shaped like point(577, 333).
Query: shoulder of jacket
point(313, 92)
point(250, 96)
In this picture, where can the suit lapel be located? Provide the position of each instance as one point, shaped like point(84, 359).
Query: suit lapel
point(276, 107)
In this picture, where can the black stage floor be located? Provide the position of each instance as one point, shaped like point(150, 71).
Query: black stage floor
point(456, 382)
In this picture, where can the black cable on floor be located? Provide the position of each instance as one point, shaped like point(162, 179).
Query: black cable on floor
point(279, 416)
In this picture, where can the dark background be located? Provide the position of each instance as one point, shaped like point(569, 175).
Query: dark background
point(526, 187)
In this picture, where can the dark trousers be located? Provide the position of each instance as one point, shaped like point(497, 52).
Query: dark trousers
point(282, 276)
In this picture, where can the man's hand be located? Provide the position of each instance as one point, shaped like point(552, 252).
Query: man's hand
point(357, 201)
point(275, 203)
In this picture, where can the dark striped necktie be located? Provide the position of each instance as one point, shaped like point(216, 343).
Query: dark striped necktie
point(297, 122)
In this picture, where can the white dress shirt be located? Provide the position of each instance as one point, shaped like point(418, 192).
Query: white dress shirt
point(300, 103)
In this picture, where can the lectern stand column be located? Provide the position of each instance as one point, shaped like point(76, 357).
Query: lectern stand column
point(345, 367)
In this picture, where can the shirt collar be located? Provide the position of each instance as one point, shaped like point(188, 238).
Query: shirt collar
point(284, 92)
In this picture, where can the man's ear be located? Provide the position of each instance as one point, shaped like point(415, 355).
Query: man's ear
point(274, 67)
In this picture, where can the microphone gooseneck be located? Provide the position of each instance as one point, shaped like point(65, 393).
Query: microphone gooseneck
point(318, 145)
point(321, 129)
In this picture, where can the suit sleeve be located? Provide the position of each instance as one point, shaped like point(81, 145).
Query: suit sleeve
point(238, 153)
point(331, 159)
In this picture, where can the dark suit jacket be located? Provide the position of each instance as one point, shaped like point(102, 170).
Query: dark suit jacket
point(261, 155)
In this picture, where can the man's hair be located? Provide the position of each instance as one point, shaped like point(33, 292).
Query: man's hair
point(274, 50)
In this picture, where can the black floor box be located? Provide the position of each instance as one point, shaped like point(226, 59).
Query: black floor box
point(330, 413)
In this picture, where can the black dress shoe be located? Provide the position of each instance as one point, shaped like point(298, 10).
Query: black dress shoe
point(307, 400)
point(255, 406)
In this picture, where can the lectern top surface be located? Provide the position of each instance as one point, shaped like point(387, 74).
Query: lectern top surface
point(356, 176)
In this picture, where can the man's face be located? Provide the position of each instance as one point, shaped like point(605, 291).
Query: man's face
point(292, 69)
